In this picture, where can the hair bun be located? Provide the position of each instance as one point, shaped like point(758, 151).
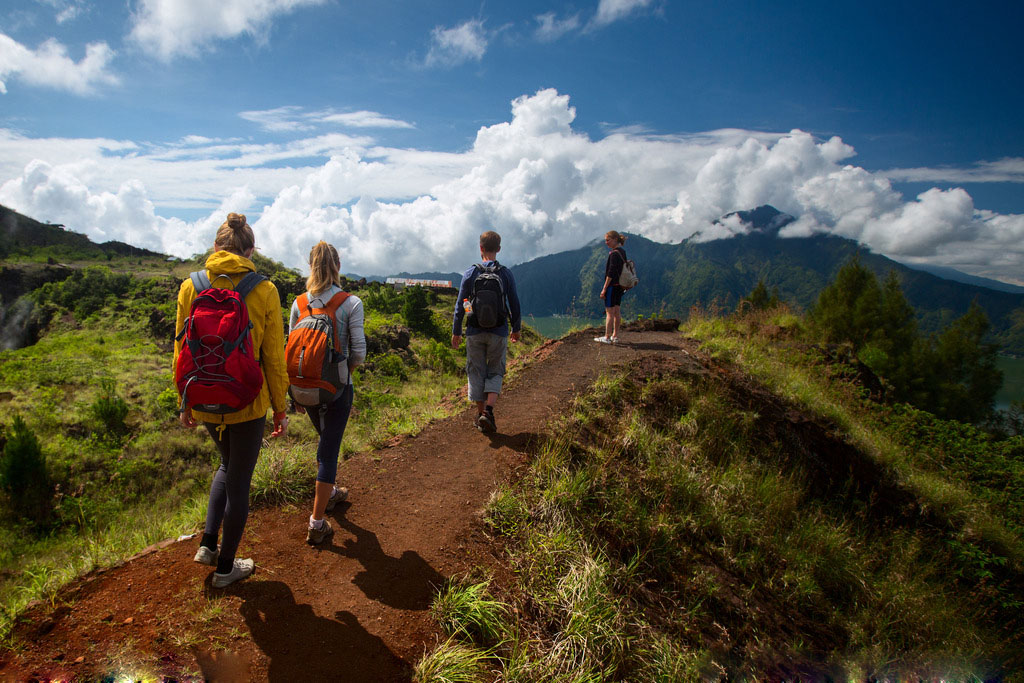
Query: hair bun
point(236, 221)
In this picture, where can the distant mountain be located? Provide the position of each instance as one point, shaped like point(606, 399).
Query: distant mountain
point(764, 220)
point(455, 278)
point(675, 277)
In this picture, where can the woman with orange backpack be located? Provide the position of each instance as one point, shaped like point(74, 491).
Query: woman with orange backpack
point(325, 343)
point(230, 368)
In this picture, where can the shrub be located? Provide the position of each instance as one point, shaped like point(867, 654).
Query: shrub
point(23, 472)
point(386, 365)
point(381, 298)
point(416, 312)
point(438, 357)
point(110, 410)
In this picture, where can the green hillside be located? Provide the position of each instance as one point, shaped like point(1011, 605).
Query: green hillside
point(94, 465)
point(26, 239)
point(748, 516)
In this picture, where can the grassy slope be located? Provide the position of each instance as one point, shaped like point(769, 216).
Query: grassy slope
point(683, 526)
point(115, 491)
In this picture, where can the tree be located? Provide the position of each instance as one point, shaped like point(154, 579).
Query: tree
point(849, 308)
point(23, 472)
point(953, 375)
point(759, 299)
point(893, 342)
point(960, 370)
point(416, 311)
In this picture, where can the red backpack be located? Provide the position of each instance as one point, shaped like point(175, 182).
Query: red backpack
point(316, 363)
point(217, 371)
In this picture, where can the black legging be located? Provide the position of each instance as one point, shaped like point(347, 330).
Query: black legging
point(239, 446)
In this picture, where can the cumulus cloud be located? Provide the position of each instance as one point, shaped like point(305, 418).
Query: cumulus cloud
point(49, 66)
point(453, 46)
point(293, 118)
point(543, 185)
point(171, 28)
point(610, 11)
point(197, 172)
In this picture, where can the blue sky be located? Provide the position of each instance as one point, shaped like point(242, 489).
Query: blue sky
point(400, 130)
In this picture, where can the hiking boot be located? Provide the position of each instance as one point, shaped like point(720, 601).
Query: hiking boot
point(316, 536)
point(206, 556)
point(486, 423)
point(603, 340)
point(240, 569)
point(338, 495)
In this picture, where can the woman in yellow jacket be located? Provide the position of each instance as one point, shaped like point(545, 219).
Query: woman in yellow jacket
point(238, 435)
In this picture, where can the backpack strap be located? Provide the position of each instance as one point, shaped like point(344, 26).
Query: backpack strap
point(248, 283)
point(302, 301)
point(200, 281)
point(331, 309)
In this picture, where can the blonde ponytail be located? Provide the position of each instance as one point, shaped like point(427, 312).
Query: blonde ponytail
point(324, 268)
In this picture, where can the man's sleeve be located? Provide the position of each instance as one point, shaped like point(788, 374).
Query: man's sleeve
point(513, 302)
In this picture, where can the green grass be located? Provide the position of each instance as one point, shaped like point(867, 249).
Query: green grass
point(451, 662)
point(467, 610)
point(680, 528)
point(96, 391)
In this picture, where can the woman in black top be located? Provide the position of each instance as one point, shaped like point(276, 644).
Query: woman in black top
point(611, 292)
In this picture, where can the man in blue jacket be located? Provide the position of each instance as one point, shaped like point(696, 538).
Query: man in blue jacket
point(488, 295)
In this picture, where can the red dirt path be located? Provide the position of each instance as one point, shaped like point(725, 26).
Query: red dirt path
point(356, 610)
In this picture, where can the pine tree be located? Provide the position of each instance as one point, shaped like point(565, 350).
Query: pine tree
point(849, 308)
point(23, 472)
point(960, 369)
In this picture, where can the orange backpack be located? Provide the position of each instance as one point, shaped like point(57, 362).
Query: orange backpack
point(317, 371)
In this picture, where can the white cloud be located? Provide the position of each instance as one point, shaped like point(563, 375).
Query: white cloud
point(1007, 170)
point(453, 46)
point(549, 28)
point(49, 66)
point(293, 118)
point(610, 11)
point(363, 119)
point(281, 119)
point(543, 185)
point(67, 10)
point(169, 28)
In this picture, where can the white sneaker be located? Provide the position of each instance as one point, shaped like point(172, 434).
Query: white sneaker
point(206, 556)
point(241, 569)
point(603, 340)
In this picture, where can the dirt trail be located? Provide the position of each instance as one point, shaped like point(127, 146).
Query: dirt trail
point(356, 610)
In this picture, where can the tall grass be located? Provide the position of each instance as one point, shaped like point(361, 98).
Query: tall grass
point(669, 531)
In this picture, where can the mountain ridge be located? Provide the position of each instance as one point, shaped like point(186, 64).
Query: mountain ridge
point(676, 277)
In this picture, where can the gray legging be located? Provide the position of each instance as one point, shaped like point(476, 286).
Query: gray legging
point(239, 446)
